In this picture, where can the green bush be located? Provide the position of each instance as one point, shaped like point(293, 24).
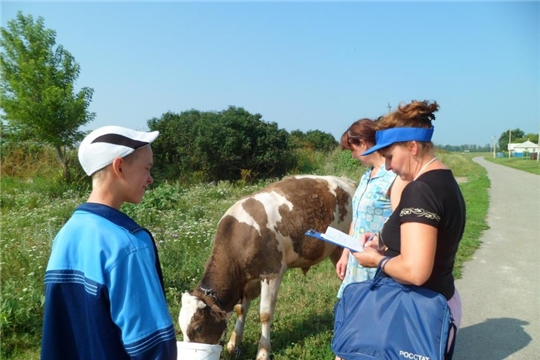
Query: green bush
point(220, 146)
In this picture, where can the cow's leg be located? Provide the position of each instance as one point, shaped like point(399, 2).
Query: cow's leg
point(269, 292)
point(251, 291)
point(238, 332)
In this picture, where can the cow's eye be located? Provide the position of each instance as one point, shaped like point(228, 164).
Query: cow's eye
point(198, 329)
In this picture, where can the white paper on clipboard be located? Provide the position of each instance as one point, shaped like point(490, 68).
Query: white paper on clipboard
point(337, 237)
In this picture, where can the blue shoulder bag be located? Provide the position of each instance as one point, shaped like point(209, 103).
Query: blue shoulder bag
point(383, 319)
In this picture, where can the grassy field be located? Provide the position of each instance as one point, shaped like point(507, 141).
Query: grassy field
point(183, 221)
point(527, 165)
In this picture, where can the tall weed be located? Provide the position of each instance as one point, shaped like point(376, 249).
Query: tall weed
point(28, 229)
point(32, 162)
point(460, 165)
point(29, 159)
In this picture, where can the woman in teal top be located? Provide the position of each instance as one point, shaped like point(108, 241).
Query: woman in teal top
point(376, 196)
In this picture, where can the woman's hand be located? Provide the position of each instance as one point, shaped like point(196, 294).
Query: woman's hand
point(341, 265)
point(369, 258)
point(370, 240)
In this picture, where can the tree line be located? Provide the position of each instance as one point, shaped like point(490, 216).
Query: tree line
point(231, 144)
point(41, 106)
point(501, 145)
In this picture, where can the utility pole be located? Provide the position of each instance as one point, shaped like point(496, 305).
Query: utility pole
point(494, 145)
point(538, 148)
point(389, 108)
point(509, 142)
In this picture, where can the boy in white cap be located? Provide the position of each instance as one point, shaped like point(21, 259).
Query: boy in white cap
point(104, 293)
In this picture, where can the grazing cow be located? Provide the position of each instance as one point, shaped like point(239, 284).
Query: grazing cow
point(257, 240)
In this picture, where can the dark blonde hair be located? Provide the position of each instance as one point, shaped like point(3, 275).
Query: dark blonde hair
point(360, 130)
point(417, 114)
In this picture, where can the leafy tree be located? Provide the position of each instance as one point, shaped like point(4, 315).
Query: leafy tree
point(517, 134)
point(225, 145)
point(37, 91)
point(175, 155)
point(271, 153)
point(313, 140)
point(466, 147)
point(527, 137)
point(321, 141)
point(297, 139)
point(234, 142)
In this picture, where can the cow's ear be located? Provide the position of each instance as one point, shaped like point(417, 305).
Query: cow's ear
point(188, 299)
point(200, 304)
point(218, 314)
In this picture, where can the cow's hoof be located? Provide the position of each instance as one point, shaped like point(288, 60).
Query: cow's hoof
point(263, 355)
point(232, 348)
point(238, 352)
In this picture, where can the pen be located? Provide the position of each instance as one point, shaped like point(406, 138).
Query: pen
point(369, 239)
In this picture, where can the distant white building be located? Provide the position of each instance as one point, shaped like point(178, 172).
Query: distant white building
point(520, 148)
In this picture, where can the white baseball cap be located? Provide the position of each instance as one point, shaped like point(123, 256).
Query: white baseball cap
point(103, 145)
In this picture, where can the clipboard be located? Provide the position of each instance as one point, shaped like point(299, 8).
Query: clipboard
point(337, 237)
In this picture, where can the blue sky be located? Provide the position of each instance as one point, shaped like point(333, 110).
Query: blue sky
point(306, 65)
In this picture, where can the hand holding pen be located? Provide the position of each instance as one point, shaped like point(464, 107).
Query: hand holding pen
point(374, 240)
point(368, 240)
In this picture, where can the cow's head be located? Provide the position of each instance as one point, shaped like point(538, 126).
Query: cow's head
point(199, 322)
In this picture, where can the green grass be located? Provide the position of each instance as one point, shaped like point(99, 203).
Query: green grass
point(531, 166)
point(183, 221)
point(477, 201)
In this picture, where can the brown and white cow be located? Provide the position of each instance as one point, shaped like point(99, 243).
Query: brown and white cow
point(257, 240)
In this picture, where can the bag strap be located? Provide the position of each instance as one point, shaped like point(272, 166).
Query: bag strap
point(381, 265)
point(383, 262)
point(380, 270)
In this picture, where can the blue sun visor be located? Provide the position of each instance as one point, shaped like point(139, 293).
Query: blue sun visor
point(387, 137)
